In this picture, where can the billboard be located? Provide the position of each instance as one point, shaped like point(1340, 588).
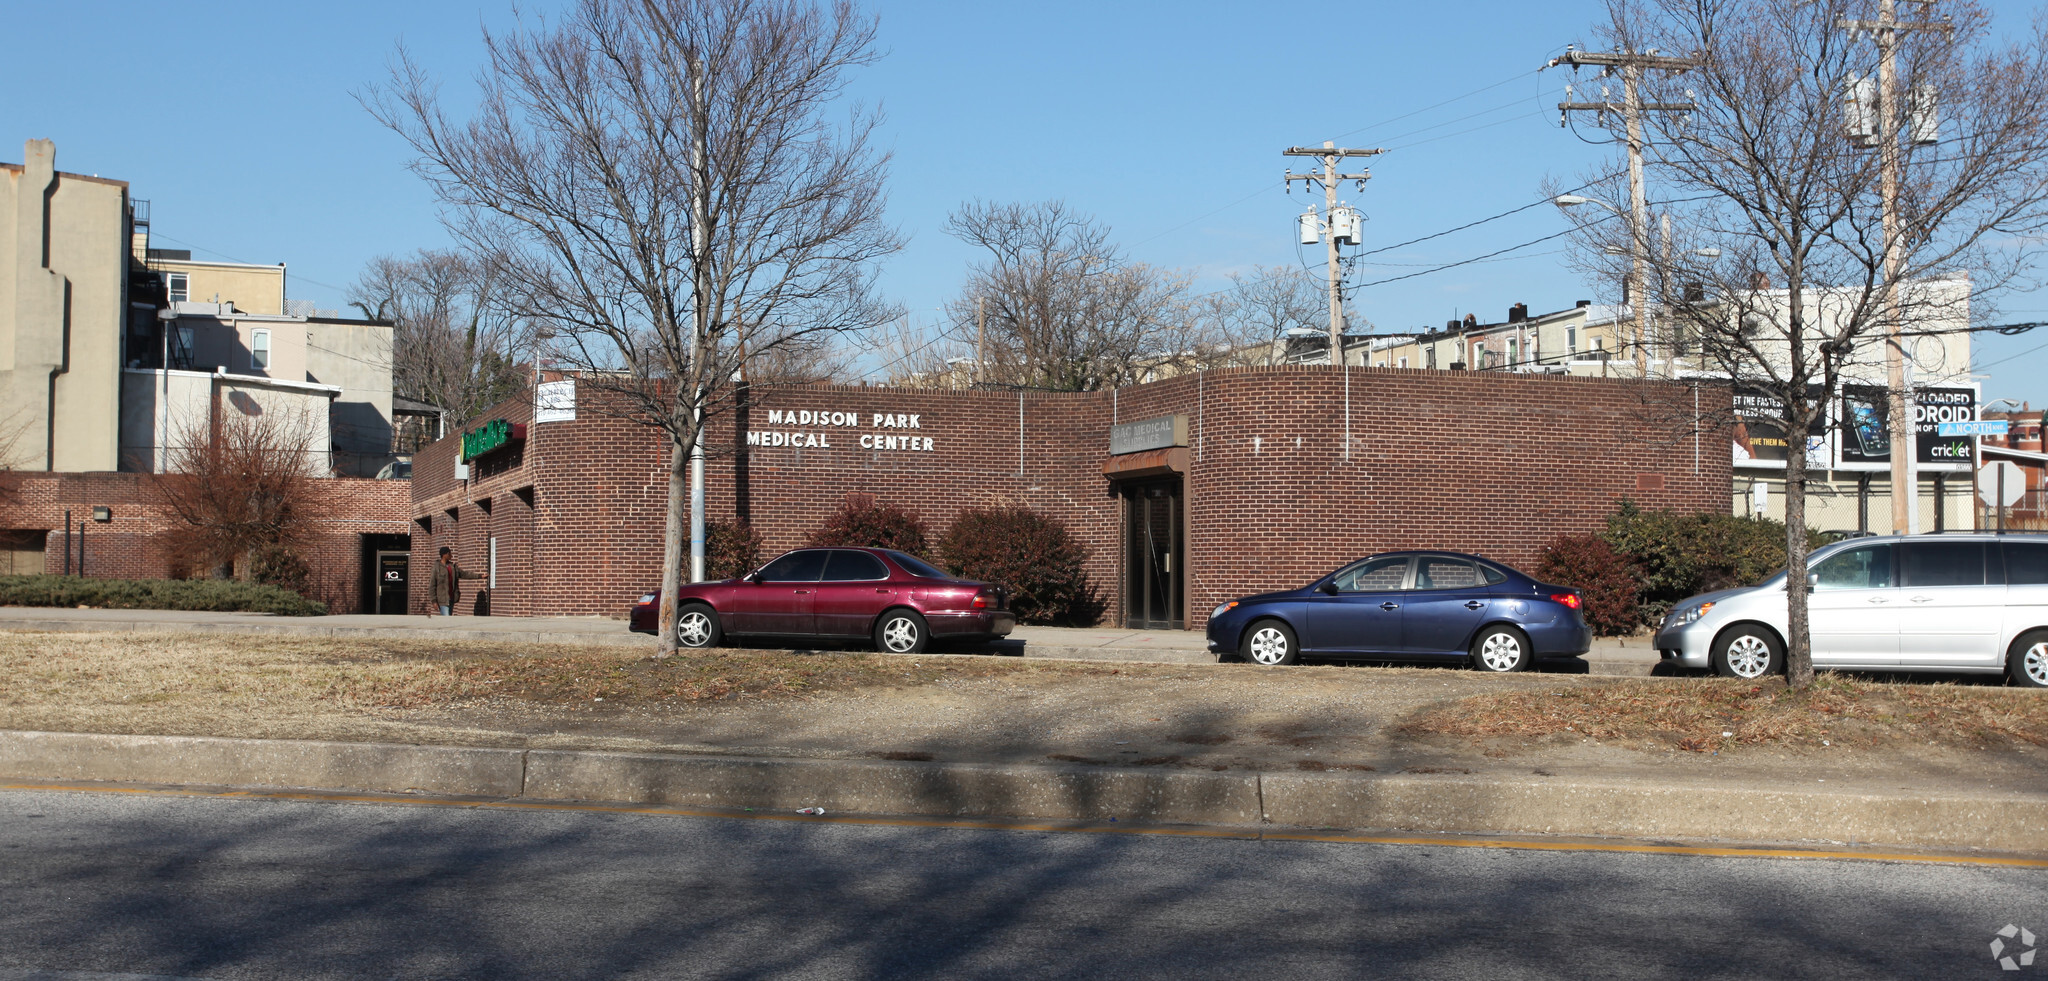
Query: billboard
point(1855, 434)
point(1866, 444)
point(1759, 434)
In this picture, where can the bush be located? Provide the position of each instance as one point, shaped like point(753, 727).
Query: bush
point(1030, 555)
point(274, 565)
point(1680, 555)
point(1609, 583)
point(866, 523)
point(731, 549)
point(215, 595)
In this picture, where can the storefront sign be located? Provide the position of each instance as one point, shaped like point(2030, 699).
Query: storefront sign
point(555, 401)
point(494, 435)
point(1148, 434)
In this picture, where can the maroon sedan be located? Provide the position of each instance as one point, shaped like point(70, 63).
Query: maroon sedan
point(898, 600)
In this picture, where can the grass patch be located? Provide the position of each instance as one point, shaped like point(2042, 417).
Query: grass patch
point(213, 675)
point(209, 595)
point(1708, 715)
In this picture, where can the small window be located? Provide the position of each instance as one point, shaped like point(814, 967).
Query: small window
point(259, 350)
point(1869, 567)
point(803, 566)
point(1404, 362)
point(851, 566)
point(2026, 564)
point(1571, 340)
point(179, 285)
point(1374, 575)
point(1494, 577)
point(1514, 353)
point(1442, 572)
point(1942, 563)
point(916, 566)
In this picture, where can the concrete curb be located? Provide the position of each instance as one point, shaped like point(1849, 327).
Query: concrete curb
point(1432, 803)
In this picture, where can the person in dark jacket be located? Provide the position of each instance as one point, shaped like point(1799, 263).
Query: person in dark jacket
point(447, 582)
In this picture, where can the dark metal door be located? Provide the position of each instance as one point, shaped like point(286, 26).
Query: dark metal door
point(1154, 555)
point(392, 571)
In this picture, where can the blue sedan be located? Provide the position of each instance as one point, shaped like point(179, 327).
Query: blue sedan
point(1424, 605)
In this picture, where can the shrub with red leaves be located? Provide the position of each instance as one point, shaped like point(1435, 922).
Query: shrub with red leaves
point(1609, 582)
point(868, 523)
point(731, 549)
point(1029, 554)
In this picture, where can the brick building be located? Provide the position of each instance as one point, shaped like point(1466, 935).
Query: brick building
point(104, 525)
point(1219, 483)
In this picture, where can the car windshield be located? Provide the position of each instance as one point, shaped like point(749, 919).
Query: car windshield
point(916, 566)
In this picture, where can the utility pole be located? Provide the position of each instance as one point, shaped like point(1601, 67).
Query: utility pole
point(1885, 30)
point(980, 340)
point(1331, 155)
point(1630, 66)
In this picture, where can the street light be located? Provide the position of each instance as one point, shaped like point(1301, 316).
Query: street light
point(1636, 279)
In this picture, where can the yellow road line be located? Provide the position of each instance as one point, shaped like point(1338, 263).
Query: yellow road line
point(1081, 827)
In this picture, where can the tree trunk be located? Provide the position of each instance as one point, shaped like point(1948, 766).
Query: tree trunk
point(1798, 649)
point(672, 543)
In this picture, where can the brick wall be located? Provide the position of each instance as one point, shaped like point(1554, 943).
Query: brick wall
point(127, 546)
point(1491, 463)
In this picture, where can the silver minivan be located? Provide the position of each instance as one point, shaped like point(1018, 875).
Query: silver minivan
point(1975, 603)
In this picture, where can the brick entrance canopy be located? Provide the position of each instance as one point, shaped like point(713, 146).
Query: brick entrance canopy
point(1286, 472)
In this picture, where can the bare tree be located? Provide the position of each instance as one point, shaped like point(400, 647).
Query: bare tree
point(457, 344)
point(659, 184)
point(1253, 317)
point(239, 485)
point(1794, 302)
point(1063, 309)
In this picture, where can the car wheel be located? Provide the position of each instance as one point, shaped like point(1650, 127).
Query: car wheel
point(1271, 643)
point(697, 626)
point(1748, 653)
point(901, 632)
point(2027, 663)
point(1500, 650)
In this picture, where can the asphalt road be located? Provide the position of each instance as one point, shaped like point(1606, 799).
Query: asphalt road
point(104, 887)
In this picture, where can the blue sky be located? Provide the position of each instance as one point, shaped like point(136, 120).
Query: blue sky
point(1166, 120)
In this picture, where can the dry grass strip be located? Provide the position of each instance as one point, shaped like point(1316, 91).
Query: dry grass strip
point(1708, 714)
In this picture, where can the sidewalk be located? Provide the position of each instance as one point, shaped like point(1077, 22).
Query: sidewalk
point(1608, 657)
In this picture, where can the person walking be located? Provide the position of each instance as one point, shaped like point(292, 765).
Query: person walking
point(447, 583)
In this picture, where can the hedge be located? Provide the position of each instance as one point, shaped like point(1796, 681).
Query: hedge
point(1030, 554)
point(211, 595)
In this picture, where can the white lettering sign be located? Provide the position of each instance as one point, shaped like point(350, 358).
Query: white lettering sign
point(793, 421)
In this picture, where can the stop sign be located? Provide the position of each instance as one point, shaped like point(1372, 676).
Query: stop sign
point(1996, 494)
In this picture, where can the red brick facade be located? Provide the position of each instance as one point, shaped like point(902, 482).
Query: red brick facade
point(125, 547)
point(1275, 490)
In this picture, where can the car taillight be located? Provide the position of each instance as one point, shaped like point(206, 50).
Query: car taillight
point(1568, 599)
point(981, 600)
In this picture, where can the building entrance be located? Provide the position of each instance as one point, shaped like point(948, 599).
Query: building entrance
point(1155, 557)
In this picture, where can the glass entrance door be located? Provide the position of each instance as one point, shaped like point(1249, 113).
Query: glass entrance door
point(1154, 555)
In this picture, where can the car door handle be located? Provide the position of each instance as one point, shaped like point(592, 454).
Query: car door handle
point(1390, 606)
point(800, 592)
point(1880, 599)
point(885, 592)
point(1923, 599)
point(1473, 605)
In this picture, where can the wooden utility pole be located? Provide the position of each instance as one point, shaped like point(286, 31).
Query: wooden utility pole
point(1885, 30)
point(1331, 155)
point(1631, 67)
point(980, 340)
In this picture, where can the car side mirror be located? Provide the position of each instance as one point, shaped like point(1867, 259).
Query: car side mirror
point(1328, 587)
point(1812, 581)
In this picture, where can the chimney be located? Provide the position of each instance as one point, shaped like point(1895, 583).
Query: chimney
point(1471, 320)
point(1450, 325)
point(1518, 313)
point(1582, 304)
